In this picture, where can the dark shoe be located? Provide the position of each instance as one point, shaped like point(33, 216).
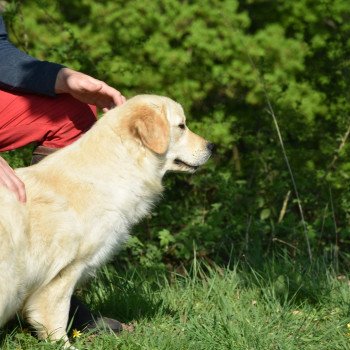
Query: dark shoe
point(82, 319)
point(41, 152)
point(105, 324)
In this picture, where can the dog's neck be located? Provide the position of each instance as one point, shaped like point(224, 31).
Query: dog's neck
point(114, 153)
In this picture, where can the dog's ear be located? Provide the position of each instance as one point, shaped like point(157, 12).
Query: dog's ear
point(150, 125)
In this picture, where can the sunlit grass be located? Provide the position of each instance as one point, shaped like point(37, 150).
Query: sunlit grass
point(281, 305)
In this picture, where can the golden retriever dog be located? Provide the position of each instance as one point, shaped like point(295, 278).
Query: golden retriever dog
point(82, 202)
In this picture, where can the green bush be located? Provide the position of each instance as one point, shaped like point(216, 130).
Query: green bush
point(223, 60)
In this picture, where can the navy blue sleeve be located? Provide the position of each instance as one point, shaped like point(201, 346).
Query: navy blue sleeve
point(21, 72)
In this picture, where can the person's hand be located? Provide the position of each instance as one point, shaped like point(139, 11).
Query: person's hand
point(87, 89)
point(9, 179)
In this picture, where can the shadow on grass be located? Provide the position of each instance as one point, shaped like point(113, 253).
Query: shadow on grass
point(126, 295)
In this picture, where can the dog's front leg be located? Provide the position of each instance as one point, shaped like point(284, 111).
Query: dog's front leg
point(47, 309)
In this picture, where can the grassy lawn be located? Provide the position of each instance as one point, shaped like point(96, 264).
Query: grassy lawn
point(281, 305)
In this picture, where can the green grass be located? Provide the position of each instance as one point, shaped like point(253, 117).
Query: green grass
point(281, 305)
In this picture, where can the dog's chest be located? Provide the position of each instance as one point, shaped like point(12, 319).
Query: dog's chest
point(106, 232)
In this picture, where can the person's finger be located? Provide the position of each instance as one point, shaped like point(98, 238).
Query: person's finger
point(113, 105)
point(114, 94)
point(14, 184)
point(118, 99)
point(21, 190)
point(18, 188)
point(90, 86)
point(9, 179)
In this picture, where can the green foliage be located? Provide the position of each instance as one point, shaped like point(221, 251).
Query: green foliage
point(221, 59)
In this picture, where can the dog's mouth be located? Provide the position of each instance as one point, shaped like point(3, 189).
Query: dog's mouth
point(181, 163)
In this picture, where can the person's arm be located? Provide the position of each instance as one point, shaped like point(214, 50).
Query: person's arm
point(21, 72)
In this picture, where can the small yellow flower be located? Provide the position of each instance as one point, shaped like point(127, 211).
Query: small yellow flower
point(76, 333)
point(348, 333)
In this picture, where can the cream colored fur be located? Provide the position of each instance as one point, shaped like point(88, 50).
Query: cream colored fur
point(81, 204)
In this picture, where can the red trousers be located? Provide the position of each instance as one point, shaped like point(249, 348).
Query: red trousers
point(53, 122)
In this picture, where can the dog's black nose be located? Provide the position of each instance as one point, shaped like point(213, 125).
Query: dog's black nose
point(211, 146)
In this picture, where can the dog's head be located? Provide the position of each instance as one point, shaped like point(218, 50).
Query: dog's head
point(159, 125)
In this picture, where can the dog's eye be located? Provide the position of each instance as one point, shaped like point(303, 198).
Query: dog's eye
point(182, 126)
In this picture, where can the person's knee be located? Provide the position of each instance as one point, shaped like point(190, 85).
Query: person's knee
point(74, 119)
